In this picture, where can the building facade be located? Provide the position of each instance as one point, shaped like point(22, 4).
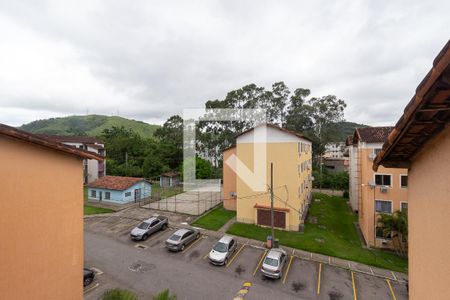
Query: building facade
point(291, 155)
point(41, 217)
point(92, 169)
point(334, 150)
point(119, 190)
point(421, 143)
point(372, 193)
point(229, 180)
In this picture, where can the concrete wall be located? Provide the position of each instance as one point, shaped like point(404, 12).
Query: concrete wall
point(282, 150)
point(120, 196)
point(41, 223)
point(353, 180)
point(368, 195)
point(229, 181)
point(429, 222)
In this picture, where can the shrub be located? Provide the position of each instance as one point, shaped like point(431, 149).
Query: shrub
point(119, 294)
point(165, 295)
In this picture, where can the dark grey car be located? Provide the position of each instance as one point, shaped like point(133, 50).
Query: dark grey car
point(181, 238)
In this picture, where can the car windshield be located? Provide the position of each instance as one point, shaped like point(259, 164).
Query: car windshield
point(220, 247)
point(175, 237)
point(143, 225)
point(271, 261)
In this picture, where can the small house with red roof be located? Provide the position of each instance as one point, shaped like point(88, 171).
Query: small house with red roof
point(119, 189)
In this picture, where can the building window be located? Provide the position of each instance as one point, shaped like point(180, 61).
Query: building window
point(107, 195)
point(93, 194)
point(127, 194)
point(383, 206)
point(403, 206)
point(403, 181)
point(381, 179)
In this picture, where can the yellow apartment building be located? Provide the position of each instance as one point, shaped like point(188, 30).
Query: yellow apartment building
point(372, 193)
point(41, 217)
point(421, 143)
point(291, 155)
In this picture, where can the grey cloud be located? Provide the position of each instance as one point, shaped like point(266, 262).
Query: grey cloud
point(160, 57)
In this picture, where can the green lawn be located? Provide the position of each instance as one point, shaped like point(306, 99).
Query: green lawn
point(166, 192)
point(92, 210)
point(215, 219)
point(334, 235)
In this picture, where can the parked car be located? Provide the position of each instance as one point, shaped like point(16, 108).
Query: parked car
point(148, 227)
point(181, 238)
point(273, 263)
point(88, 276)
point(222, 250)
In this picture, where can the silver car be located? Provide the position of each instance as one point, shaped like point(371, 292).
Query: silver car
point(274, 263)
point(181, 238)
point(222, 250)
point(148, 227)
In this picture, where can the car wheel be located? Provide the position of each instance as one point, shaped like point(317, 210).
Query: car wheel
point(182, 247)
point(144, 237)
point(225, 261)
point(197, 236)
point(87, 281)
point(164, 227)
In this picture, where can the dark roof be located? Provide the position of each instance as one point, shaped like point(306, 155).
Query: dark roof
point(170, 174)
point(276, 127)
point(426, 115)
point(372, 134)
point(115, 182)
point(72, 139)
point(18, 134)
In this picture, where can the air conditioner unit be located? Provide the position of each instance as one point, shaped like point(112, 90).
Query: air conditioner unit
point(233, 194)
point(383, 189)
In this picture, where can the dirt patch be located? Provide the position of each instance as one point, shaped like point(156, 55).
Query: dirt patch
point(335, 295)
point(298, 286)
point(239, 269)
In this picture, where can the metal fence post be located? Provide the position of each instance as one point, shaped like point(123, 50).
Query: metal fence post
point(175, 202)
point(198, 203)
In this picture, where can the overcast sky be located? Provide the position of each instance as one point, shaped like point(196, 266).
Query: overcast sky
point(148, 60)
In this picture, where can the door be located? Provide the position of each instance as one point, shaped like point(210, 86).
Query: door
point(100, 195)
point(137, 195)
point(264, 218)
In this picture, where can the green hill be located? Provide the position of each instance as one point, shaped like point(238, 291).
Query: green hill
point(91, 125)
point(340, 131)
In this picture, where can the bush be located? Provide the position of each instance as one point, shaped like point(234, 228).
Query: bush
point(345, 194)
point(165, 295)
point(119, 294)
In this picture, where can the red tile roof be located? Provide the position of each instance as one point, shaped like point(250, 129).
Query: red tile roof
point(72, 138)
point(276, 127)
point(372, 134)
point(427, 114)
point(170, 174)
point(119, 183)
point(18, 134)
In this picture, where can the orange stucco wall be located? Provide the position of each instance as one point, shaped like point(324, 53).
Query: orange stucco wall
point(367, 196)
point(41, 223)
point(429, 220)
point(229, 181)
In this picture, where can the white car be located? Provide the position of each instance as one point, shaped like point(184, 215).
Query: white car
point(222, 250)
point(273, 263)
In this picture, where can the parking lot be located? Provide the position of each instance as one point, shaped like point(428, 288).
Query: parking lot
point(302, 276)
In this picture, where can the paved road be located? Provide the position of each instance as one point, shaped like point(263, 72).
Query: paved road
point(152, 268)
point(187, 280)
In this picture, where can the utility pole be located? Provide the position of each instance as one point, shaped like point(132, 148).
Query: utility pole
point(126, 160)
point(271, 203)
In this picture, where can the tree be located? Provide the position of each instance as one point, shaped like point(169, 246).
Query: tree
point(396, 225)
point(165, 295)
point(171, 131)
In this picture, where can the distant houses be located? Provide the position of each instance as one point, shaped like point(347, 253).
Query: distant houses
point(291, 154)
point(41, 215)
point(92, 169)
point(420, 142)
point(119, 189)
point(169, 179)
point(372, 193)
